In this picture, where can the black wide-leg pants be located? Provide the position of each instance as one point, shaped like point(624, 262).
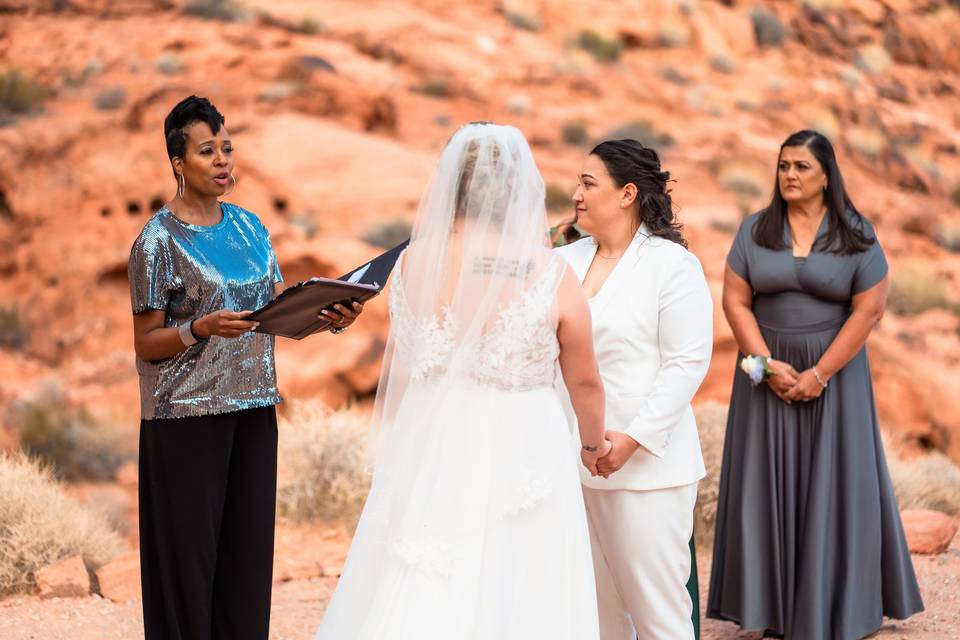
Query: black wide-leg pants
point(207, 509)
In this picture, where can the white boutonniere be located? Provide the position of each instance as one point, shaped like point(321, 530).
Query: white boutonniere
point(757, 368)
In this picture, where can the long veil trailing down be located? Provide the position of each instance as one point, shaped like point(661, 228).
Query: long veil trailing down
point(478, 243)
point(474, 527)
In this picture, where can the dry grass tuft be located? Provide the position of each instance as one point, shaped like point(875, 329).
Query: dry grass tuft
point(388, 234)
point(40, 524)
point(931, 481)
point(916, 287)
point(66, 437)
point(712, 425)
point(322, 464)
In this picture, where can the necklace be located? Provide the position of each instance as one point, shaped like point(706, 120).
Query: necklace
point(613, 257)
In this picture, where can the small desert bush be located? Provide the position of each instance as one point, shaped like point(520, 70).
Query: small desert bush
point(18, 94)
point(918, 287)
point(110, 99)
point(767, 28)
point(322, 464)
point(955, 195)
point(436, 88)
point(40, 524)
point(65, 437)
point(388, 234)
point(712, 425)
point(524, 20)
point(574, 133)
point(214, 10)
point(643, 132)
point(601, 47)
point(948, 236)
point(13, 331)
point(558, 197)
point(930, 481)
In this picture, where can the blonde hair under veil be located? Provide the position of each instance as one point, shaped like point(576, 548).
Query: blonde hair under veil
point(479, 242)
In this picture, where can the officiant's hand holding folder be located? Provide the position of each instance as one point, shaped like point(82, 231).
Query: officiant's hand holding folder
point(295, 312)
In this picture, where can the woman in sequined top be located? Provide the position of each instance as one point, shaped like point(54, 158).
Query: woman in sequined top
point(208, 390)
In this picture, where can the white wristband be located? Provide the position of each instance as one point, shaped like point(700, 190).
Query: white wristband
point(186, 335)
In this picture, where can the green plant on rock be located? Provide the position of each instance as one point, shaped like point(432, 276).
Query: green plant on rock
point(558, 197)
point(643, 132)
point(388, 234)
point(602, 48)
point(224, 10)
point(19, 95)
point(13, 331)
point(574, 133)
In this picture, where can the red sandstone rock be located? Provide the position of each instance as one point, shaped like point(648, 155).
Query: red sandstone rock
point(119, 580)
point(67, 578)
point(928, 532)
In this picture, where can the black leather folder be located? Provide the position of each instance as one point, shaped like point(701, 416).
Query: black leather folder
point(294, 313)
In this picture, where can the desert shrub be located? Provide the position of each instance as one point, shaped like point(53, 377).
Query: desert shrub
point(40, 524)
point(214, 10)
point(110, 99)
point(712, 425)
point(930, 481)
point(18, 94)
point(436, 88)
point(744, 179)
point(917, 287)
point(558, 197)
point(388, 234)
point(323, 474)
point(767, 28)
point(602, 48)
point(948, 236)
point(574, 133)
point(955, 195)
point(643, 132)
point(311, 26)
point(65, 437)
point(13, 331)
point(524, 20)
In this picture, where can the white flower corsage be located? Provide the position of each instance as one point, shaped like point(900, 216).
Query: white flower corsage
point(757, 368)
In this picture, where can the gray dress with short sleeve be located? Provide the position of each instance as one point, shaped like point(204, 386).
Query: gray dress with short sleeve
point(808, 541)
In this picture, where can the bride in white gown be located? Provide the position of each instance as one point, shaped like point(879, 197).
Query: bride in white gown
point(474, 528)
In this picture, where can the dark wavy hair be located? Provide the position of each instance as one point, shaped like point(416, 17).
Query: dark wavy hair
point(186, 112)
point(629, 162)
point(845, 224)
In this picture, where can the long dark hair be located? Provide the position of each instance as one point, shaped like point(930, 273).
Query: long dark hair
point(628, 161)
point(844, 223)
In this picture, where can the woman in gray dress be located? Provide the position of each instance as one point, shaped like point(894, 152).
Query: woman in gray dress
point(809, 543)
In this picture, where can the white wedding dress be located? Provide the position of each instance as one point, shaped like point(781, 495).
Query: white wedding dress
point(475, 526)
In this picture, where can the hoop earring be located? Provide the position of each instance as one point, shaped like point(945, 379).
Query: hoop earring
point(181, 185)
point(234, 188)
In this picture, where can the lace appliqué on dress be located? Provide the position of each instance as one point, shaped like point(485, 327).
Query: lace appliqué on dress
point(517, 353)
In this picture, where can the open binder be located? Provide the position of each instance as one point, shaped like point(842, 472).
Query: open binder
point(294, 313)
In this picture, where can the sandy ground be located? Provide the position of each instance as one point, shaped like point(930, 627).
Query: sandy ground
point(298, 606)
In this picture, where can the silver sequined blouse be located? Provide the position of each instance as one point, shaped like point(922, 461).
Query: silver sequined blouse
point(188, 271)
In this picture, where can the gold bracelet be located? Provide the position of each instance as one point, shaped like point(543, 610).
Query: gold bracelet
point(817, 376)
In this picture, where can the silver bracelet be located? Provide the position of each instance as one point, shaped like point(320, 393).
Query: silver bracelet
point(816, 374)
point(186, 335)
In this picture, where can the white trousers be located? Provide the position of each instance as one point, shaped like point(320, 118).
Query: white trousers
point(641, 556)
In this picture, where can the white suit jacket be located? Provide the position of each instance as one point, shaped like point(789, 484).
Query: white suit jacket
point(653, 336)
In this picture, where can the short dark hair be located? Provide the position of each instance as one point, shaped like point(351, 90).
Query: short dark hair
point(630, 162)
point(188, 111)
point(845, 225)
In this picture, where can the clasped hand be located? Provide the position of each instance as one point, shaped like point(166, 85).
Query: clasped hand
point(611, 457)
point(791, 385)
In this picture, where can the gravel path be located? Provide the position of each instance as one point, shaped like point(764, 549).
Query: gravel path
point(298, 606)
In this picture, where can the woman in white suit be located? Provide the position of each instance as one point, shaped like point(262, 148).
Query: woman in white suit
point(652, 328)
